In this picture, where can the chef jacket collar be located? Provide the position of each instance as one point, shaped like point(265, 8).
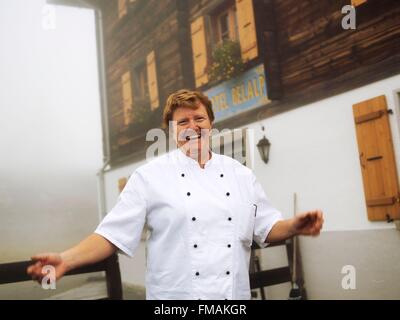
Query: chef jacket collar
point(182, 158)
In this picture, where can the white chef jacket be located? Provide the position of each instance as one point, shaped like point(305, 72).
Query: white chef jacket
point(202, 223)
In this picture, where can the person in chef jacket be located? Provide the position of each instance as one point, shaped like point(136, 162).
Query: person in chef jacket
point(203, 211)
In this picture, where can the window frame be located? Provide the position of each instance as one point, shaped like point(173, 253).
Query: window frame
point(229, 9)
point(140, 82)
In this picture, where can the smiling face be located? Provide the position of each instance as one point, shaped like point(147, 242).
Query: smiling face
point(193, 127)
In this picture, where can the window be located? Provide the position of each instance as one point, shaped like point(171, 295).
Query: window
point(145, 84)
point(224, 24)
point(356, 3)
point(145, 87)
point(140, 87)
point(234, 20)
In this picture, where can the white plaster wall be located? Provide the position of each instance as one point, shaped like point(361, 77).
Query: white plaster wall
point(314, 153)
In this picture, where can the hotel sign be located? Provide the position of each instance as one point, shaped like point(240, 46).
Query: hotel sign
point(242, 93)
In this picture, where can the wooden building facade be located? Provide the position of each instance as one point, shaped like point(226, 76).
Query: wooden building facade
point(146, 56)
point(153, 48)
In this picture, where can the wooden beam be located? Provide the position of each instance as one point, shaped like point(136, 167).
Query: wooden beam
point(381, 202)
point(269, 277)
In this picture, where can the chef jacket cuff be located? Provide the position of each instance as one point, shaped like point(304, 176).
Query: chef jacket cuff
point(121, 248)
point(262, 240)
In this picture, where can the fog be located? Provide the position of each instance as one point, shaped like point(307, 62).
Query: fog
point(50, 127)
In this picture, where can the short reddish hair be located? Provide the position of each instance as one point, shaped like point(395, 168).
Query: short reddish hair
point(185, 98)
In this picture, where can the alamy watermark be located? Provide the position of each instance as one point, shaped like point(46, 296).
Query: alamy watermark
point(349, 280)
point(349, 20)
point(49, 17)
point(230, 142)
point(49, 280)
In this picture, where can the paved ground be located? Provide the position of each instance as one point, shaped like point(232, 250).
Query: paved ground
point(95, 288)
point(70, 288)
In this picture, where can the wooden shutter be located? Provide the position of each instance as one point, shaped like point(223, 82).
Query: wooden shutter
point(122, 8)
point(356, 3)
point(127, 97)
point(122, 183)
point(247, 29)
point(377, 160)
point(199, 47)
point(152, 80)
point(232, 23)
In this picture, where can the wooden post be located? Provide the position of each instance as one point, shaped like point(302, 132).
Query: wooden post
point(113, 278)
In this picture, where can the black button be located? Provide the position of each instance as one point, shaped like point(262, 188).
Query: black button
point(227, 194)
point(182, 174)
point(221, 175)
point(227, 272)
point(229, 245)
point(188, 193)
point(195, 245)
point(230, 219)
point(197, 273)
point(194, 219)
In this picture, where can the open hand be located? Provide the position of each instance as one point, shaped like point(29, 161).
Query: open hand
point(35, 270)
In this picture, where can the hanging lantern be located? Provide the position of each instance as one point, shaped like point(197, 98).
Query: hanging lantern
point(263, 147)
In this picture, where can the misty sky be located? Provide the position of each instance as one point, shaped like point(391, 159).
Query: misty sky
point(50, 127)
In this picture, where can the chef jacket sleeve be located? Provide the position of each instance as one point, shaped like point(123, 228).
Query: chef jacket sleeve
point(123, 225)
point(266, 215)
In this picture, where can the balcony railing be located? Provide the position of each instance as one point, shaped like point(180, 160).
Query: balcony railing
point(16, 272)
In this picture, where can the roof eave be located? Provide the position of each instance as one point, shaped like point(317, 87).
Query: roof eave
point(74, 3)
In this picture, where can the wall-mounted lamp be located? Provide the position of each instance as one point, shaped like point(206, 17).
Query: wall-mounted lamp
point(263, 147)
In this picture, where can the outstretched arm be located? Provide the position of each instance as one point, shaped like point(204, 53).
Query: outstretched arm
point(93, 249)
point(308, 223)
